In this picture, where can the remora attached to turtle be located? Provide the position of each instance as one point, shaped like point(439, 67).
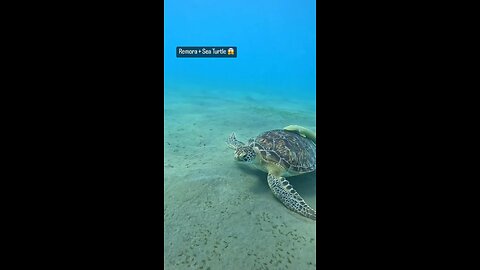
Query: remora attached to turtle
point(281, 153)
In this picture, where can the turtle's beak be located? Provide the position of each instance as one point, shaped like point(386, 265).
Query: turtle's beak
point(238, 155)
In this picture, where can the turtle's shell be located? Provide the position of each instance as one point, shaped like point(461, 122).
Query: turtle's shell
point(288, 149)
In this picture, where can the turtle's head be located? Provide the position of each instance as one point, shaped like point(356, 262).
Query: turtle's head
point(245, 154)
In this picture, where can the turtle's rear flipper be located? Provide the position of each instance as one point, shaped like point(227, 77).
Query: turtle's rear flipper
point(289, 197)
point(232, 142)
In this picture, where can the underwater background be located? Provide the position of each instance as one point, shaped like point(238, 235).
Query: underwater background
point(219, 214)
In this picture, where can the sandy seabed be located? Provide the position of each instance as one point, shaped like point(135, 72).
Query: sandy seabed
point(219, 214)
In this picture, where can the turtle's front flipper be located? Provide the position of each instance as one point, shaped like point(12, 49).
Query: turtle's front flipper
point(289, 197)
point(232, 142)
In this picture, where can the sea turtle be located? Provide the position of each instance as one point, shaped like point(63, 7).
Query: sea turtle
point(281, 153)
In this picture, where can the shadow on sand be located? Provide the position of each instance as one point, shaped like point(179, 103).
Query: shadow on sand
point(305, 184)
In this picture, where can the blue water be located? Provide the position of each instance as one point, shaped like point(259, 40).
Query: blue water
point(275, 41)
point(219, 214)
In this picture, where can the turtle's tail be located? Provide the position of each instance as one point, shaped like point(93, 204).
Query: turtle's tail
point(232, 142)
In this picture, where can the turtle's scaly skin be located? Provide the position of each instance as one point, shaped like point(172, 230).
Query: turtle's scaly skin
point(292, 153)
